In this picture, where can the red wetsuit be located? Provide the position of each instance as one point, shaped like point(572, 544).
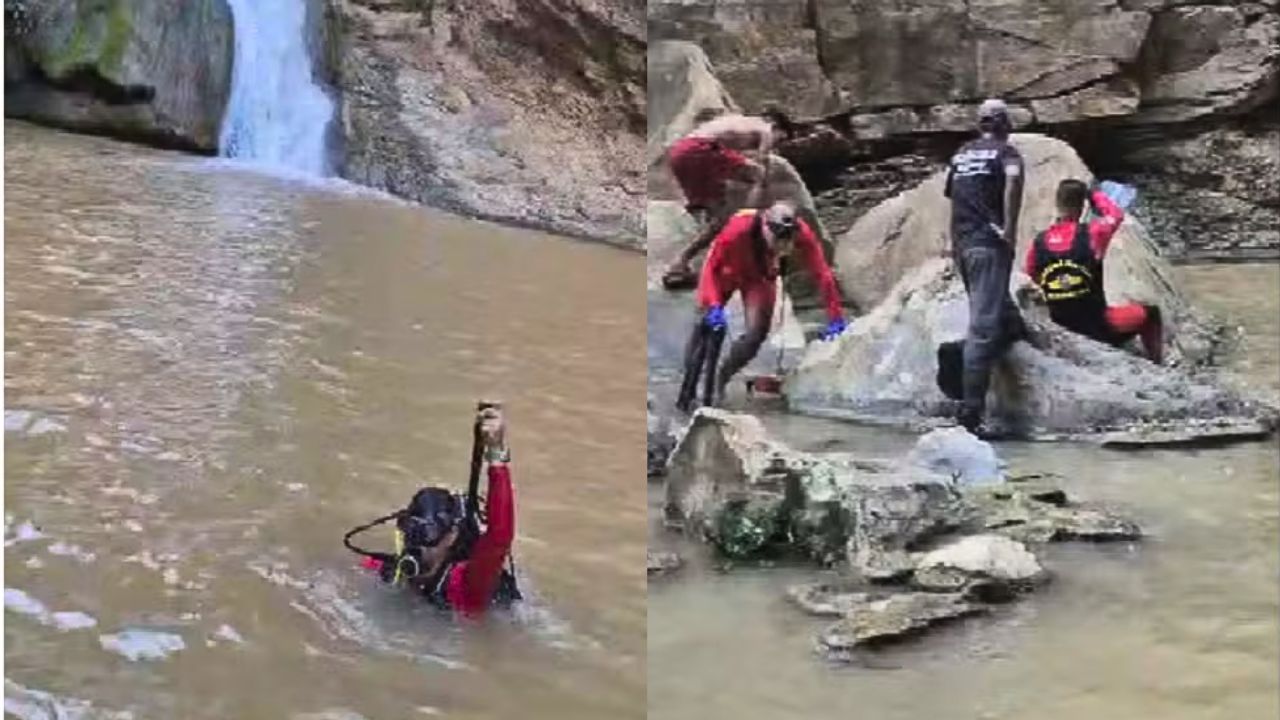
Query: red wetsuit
point(701, 166)
point(1066, 240)
point(471, 582)
point(732, 266)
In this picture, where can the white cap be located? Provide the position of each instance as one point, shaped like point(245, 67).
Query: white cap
point(992, 107)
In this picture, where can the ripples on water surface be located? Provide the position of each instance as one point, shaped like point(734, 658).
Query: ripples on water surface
point(211, 374)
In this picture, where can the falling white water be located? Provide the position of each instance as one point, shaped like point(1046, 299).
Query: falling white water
point(278, 115)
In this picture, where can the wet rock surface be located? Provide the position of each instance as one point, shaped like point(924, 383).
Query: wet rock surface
point(877, 622)
point(1058, 385)
point(663, 563)
point(1207, 196)
point(659, 441)
point(530, 113)
point(911, 547)
point(143, 70)
point(985, 566)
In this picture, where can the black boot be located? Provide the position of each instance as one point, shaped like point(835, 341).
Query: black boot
point(970, 419)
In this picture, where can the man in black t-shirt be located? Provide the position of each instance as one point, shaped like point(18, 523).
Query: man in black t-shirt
point(984, 184)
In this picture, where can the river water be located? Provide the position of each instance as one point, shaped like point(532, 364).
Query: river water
point(1182, 626)
point(211, 374)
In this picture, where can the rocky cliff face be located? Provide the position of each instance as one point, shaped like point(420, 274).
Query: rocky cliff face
point(157, 72)
point(529, 112)
point(1117, 79)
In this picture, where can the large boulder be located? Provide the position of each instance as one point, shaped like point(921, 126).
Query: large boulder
point(145, 70)
point(681, 83)
point(1059, 385)
point(729, 482)
point(529, 113)
point(898, 235)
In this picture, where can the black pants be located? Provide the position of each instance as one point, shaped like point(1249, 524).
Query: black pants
point(994, 321)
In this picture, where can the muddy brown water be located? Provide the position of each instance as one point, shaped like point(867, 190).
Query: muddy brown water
point(210, 374)
point(1184, 625)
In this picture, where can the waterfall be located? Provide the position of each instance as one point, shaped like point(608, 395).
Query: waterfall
point(278, 114)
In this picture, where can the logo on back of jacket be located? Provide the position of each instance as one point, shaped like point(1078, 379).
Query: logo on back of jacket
point(1064, 279)
point(977, 161)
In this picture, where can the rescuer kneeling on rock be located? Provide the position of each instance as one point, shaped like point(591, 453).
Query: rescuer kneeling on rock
point(1065, 261)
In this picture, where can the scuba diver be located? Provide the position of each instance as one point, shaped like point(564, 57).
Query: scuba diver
point(1065, 261)
point(447, 548)
point(747, 257)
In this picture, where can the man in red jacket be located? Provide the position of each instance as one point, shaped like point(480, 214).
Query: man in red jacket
point(745, 257)
point(444, 552)
point(1065, 261)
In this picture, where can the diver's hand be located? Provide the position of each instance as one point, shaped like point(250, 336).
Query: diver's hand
point(493, 432)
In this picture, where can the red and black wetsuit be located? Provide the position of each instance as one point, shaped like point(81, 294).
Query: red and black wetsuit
point(1066, 260)
point(737, 262)
point(469, 583)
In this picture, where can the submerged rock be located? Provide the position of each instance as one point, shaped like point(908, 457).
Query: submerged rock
point(827, 599)
point(1038, 513)
point(893, 618)
point(663, 563)
point(1058, 385)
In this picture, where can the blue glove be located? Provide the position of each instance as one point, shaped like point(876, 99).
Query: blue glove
point(834, 328)
point(716, 319)
point(1121, 194)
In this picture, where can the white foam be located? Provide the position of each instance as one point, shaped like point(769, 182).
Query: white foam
point(26, 532)
point(277, 116)
point(137, 644)
point(20, 602)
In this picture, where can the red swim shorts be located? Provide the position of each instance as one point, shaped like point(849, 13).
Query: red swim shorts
point(702, 166)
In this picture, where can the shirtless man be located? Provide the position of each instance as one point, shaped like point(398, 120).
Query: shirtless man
point(713, 172)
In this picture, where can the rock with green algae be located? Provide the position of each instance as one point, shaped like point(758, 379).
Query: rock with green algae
point(728, 481)
point(830, 506)
point(148, 70)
